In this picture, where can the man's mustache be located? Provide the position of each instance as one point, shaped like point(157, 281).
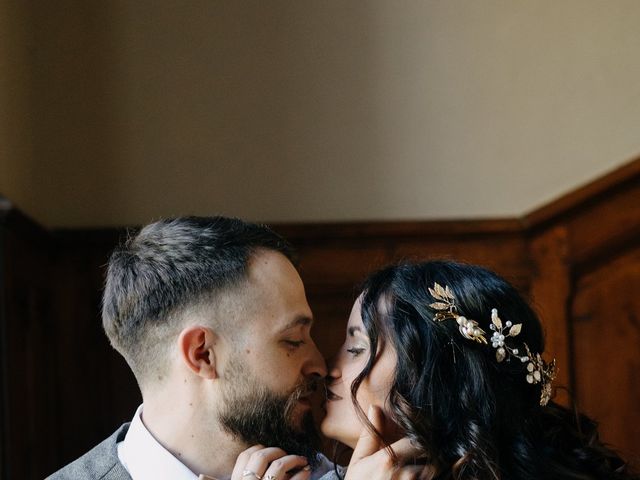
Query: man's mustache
point(302, 390)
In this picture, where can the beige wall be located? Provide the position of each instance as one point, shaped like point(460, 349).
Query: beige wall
point(334, 110)
point(16, 141)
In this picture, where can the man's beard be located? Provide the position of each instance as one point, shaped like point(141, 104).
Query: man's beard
point(257, 415)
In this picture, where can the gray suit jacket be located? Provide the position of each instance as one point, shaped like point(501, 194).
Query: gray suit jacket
point(100, 463)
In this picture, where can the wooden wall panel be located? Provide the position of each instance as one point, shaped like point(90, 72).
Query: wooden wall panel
point(606, 346)
point(550, 295)
point(593, 235)
point(97, 389)
point(63, 388)
point(27, 350)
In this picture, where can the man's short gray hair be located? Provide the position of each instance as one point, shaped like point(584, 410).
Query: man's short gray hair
point(168, 267)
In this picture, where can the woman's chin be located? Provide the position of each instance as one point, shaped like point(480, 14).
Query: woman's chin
point(335, 431)
point(326, 427)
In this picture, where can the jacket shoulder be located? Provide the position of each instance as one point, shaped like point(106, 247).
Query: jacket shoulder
point(99, 463)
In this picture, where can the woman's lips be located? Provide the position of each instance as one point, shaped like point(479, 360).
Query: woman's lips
point(332, 396)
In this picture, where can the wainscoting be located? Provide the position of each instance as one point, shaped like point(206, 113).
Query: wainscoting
point(577, 259)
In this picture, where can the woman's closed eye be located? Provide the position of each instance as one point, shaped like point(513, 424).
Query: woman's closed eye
point(355, 351)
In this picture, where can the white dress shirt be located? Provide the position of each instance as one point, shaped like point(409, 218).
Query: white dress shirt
point(145, 459)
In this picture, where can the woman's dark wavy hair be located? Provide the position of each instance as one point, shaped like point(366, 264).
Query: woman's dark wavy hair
point(474, 418)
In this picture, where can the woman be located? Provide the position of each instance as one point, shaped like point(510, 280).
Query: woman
point(450, 353)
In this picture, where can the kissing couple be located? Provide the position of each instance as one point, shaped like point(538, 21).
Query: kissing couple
point(440, 375)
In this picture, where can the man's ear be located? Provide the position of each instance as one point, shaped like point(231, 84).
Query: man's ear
point(197, 347)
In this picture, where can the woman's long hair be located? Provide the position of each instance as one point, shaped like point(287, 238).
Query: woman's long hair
point(473, 417)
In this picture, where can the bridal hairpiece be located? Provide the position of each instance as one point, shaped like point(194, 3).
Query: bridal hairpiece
point(538, 371)
point(446, 307)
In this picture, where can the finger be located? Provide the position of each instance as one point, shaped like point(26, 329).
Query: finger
point(304, 474)
point(369, 443)
point(406, 452)
point(278, 469)
point(259, 461)
point(249, 451)
point(242, 461)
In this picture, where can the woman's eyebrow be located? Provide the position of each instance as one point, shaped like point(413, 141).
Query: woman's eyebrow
point(352, 330)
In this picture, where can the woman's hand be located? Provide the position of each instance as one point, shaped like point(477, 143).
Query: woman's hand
point(371, 461)
point(270, 463)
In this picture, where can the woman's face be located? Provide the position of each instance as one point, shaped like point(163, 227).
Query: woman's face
point(341, 422)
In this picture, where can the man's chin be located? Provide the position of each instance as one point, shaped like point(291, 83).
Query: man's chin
point(298, 414)
point(305, 440)
point(267, 420)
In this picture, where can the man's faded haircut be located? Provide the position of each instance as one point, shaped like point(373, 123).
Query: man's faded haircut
point(168, 267)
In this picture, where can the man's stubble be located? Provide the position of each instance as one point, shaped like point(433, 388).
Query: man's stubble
point(256, 415)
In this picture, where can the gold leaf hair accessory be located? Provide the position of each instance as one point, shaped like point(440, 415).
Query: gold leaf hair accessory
point(446, 308)
point(538, 371)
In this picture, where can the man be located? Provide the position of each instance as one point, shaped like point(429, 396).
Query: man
point(212, 318)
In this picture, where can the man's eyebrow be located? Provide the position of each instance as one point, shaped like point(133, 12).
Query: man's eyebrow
point(299, 321)
point(352, 330)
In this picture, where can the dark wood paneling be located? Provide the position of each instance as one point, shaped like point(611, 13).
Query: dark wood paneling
point(97, 390)
point(28, 348)
point(550, 294)
point(606, 342)
point(584, 253)
point(63, 388)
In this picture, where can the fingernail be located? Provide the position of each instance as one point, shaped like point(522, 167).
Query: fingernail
point(307, 468)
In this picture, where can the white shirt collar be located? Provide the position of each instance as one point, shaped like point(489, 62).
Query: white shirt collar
point(145, 459)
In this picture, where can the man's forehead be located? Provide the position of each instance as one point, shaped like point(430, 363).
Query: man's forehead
point(272, 272)
point(264, 261)
point(278, 292)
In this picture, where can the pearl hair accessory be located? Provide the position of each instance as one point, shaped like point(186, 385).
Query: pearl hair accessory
point(538, 371)
point(498, 337)
point(446, 306)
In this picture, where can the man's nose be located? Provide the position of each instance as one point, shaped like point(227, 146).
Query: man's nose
point(316, 365)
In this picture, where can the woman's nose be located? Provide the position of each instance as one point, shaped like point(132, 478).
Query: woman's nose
point(334, 371)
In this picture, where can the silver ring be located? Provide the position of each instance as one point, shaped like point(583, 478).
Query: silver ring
point(271, 477)
point(249, 473)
